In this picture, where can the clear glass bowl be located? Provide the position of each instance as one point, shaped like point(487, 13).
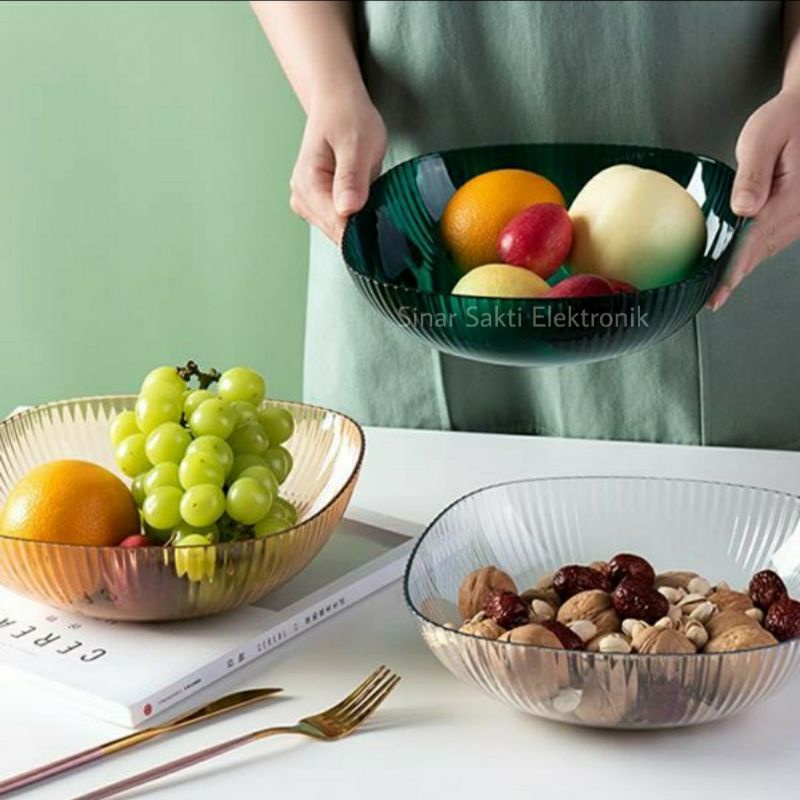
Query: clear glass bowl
point(529, 528)
point(143, 584)
point(396, 258)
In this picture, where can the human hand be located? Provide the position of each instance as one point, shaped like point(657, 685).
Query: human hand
point(341, 154)
point(766, 188)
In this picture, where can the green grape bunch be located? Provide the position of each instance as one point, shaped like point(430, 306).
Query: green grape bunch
point(206, 461)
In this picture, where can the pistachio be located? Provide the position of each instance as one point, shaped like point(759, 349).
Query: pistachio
point(672, 594)
point(691, 599)
point(755, 613)
point(614, 643)
point(664, 622)
point(703, 612)
point(699, 585)
point(548, 595)
point(696, 633)
point(631, 627)
point(675, 613)
point(584, 628)
point(677, 578)
point(541, 610)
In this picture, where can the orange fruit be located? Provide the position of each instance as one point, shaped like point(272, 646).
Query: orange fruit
point(70, 502)
point(479, 210)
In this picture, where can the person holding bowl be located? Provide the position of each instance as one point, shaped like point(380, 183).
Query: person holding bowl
point(384, 81)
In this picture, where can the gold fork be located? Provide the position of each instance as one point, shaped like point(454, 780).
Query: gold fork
point(333, 723)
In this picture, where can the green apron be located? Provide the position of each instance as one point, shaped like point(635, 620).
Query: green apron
point(676, 74)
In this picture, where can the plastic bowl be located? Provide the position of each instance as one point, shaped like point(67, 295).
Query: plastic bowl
point(529, 528)
point(144, 584)
point(395, 257)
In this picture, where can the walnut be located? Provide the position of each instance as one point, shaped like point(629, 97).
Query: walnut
point(676, 578)
point(741, 637)
point(729, 600)
point(593, 605)
point(477, 586)
point(486, 627)
point(662, 641)
point(725, 620)
point(532, 634)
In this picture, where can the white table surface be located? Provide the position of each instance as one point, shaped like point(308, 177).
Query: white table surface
point(436, 737)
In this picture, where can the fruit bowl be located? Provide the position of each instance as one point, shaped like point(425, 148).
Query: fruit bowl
point(396, 258)
point(144, 584)
point(531, 527)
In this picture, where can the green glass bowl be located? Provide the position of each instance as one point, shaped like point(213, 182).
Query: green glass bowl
point(396, 258)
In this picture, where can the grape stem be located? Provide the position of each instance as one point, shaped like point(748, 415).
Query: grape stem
point(191, 370)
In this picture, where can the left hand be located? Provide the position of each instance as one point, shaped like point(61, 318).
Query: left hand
point(766, 188)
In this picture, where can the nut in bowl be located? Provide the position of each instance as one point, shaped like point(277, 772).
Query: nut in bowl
point(549, 596)
point(145, 580)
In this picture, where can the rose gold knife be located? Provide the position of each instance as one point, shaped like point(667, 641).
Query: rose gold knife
point(230, 702)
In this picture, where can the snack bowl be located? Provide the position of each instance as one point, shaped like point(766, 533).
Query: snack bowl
point(529, 528)
point(151, 583)
point(396, 258)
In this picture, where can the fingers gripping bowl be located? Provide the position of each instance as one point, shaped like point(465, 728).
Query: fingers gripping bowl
point(146, 583)
point(399, 260)
point(530, 528)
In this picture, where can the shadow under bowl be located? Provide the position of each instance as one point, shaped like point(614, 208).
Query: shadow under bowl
point(144, 584)
point(532, 527)
point(396, 258)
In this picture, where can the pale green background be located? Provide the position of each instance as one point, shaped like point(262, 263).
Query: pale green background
point(145, 153)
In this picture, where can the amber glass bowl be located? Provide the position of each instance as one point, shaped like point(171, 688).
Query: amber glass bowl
point(143, 584)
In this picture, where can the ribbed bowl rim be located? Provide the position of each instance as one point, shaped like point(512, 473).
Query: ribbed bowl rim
point(221, 545)
point(422, 618)
point(706, 270)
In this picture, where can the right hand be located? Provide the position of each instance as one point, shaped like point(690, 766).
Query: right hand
point(341, 154)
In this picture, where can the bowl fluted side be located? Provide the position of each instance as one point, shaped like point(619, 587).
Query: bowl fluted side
point(530, 528)
point(143, 583)
point(396, 258)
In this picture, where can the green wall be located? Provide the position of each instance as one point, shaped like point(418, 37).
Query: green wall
point(145, 152)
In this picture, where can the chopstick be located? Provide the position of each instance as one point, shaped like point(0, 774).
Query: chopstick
point(216, 708)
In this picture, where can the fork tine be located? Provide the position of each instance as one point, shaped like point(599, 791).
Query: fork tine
point(356, 698)
point(376, 695)
point(359, 691)
point(373, 706)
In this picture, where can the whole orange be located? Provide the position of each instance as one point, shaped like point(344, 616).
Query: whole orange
point(70, 502)
point(479, 210)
